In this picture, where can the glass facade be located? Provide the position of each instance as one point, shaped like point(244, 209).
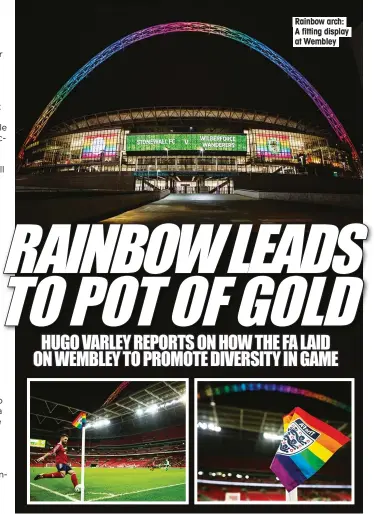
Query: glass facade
point(83, 149)
point(99, 144)
point(186, 185)
point(288, 147)
point(258, 150)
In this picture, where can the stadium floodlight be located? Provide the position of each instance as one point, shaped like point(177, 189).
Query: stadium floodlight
point(200, 473)
point(139, 412)
point(155, 407)
point(168, 404)
point(246, 476)
point(210, 426)
point(152, 409)
point(270, 436)
point(229, 474)
point(239, 476)
point(98, 423)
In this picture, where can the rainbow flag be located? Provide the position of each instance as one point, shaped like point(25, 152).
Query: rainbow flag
point(80, 420)
point(307, 444)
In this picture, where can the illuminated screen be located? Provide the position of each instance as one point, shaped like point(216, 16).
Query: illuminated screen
point(186, 142)
point(273, 146)
point(37, 443)
point(100, 144)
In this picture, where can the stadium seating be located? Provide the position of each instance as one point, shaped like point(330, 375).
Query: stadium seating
point(163, 434)
point(122, 462)
point(218, 493)
point(134, 450)
point(146, 449)
point(260, 465)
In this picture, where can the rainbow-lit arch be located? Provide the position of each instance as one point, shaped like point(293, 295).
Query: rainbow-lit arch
point(190, 27)
point(265, 386)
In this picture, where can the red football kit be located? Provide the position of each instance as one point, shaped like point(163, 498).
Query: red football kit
point(60, 452)
point(61, 458)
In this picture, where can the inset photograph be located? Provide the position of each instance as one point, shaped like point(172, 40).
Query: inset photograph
point(107, 441)
point(274, 441)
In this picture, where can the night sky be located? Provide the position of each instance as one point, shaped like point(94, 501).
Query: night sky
point(181, 69)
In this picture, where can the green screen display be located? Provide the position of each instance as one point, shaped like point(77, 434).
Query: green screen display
point(186, 142)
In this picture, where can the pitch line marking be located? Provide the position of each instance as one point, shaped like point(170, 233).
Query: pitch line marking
point(136, 492)
point(108, 494)
point(54, 492)
point(72, 494)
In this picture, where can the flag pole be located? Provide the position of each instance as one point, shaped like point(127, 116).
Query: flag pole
point(83, 461)
point(292, 495)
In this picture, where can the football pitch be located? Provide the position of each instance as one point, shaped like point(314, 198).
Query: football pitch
point(112, 485)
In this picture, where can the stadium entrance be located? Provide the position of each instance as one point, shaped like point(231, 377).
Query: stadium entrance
point(184, 183)
point(213, 186)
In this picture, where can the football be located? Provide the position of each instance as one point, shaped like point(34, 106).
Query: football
point(78, 488)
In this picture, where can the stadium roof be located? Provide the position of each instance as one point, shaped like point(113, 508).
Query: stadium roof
point(181, 117)
point(250, 420)
point(158, 393)
point(55, 415)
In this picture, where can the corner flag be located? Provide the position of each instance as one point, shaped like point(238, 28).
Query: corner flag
point(80, 420)
point(306, 445)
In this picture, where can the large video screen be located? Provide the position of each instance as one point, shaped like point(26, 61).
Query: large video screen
point(274, 146)
point(96, 145)
point(186, 142)
point(38, 443)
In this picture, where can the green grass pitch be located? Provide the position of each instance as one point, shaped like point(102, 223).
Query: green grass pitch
point(112, 484)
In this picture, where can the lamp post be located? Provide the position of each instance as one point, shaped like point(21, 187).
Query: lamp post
point(102, 154)
point(202, 155)
point(167, 158)
point(201, 149)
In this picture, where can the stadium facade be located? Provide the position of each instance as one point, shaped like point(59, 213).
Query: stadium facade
point(186, 149)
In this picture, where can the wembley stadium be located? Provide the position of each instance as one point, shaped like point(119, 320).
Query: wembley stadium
point(185, 149)
point(127, 440)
